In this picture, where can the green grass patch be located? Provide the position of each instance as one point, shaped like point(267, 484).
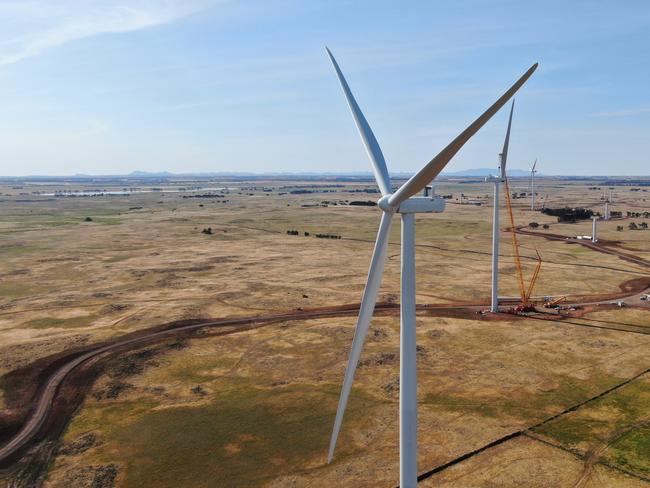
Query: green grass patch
point(600, 421)
point(484, 406)
point(14, 288)
point(571, 391)
point(117, 258)
point(71, 323)
point(11, 250)
point(197, 372)
point(573, 431)
point(525, 405)
point(632, 451)
point(244, 437)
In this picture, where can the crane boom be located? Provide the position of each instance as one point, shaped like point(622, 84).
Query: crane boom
point(533, 280)
point(524, 292)
point(515, 245)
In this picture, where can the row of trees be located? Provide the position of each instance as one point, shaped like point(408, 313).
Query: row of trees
point(645, 215)
point(293, 232)
point(363, 203)
point(568, 214)
point(523, 194)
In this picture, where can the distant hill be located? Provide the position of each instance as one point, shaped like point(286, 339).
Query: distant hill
point(485, 172)
point(147, 174)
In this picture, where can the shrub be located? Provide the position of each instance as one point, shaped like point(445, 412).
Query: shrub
point(568, 214)
point(363, 203)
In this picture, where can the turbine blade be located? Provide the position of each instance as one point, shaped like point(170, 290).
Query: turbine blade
point(506, 143)
point(363, 322)
point(534, 164)
point(437, 164)
point(368, 138)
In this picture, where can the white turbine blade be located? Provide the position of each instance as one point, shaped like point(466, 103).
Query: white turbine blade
point(437, 164)
point(363, 322)
point(506, 143)
point(368, 138)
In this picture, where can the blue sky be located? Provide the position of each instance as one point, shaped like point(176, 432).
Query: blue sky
point(107, 87)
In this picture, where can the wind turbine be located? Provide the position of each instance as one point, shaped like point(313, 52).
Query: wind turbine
point(532, 184)
point(407, 205)
point(608, 201)
point(497, 180)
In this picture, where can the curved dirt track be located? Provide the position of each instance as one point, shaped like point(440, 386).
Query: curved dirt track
point(90, 355)
point(82, 360)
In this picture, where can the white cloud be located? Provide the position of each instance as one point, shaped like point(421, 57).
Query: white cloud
point(32, 27)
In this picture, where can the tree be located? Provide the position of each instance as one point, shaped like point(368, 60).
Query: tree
point(533, 225)
point(568, 214)
point(546, 226)
point(619, 228)
point(643, 225)
point(632, 226)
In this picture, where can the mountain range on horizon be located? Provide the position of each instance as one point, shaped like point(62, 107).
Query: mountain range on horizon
point(466, 172)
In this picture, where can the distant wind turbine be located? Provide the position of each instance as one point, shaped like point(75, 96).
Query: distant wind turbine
point(532, 184)
point(407, 205)
point(608, 202)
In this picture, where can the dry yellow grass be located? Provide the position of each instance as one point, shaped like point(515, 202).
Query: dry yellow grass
point(66, 282)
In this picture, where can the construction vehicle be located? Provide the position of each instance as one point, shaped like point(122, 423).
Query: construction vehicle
point(525, 293)
point(552, 303)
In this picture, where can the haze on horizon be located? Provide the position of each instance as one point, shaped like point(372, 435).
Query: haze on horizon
point(109, 87)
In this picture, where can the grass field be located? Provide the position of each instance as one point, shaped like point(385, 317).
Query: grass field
point(255, 408)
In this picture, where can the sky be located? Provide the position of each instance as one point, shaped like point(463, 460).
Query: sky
point(110, 87)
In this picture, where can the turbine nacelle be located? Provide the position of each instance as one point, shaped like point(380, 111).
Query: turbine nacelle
point(422, 205)
point(429, 204)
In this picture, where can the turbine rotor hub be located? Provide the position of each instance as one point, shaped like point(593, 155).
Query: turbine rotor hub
point(383, 204)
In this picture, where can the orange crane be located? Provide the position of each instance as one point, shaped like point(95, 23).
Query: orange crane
point(524, 292)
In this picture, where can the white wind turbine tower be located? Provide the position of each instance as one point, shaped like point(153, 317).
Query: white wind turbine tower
point(532, 184)
point(403, 202)
point(497, 180)
point(608, 201)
